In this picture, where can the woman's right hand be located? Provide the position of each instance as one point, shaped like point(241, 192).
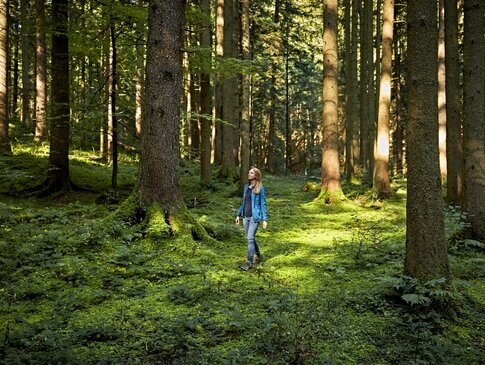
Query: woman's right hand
point(237, 220)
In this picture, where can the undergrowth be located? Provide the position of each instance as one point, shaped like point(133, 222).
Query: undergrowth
point(77, 288)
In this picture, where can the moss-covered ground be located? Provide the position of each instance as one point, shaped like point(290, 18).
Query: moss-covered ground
point(78, 288)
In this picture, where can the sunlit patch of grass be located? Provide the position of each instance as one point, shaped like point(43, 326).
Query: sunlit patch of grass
point(79, 292)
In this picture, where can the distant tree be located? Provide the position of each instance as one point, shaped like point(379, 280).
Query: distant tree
point(442, 90)
point(40, 74)
point(206, 97)
point(426, 251)
point(330, 160)
point(140, 63)
point(382, 184)
point(58, 174)
point(454, 141)
point(4, 141)
point(230, 101)
point(26, 61)
point(474, 114)
point(219, 39)
point(245, 115)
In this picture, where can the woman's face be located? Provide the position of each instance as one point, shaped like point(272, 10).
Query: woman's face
point(251, 175)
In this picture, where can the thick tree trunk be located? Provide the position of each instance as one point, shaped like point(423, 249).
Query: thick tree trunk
point(474, 114)
point(382, 183)
point(58, 175)
point(40, 75)
point(426, 251)
point(330, 158)
point(454, 141)
point(158, 181)
point(4, 141)
point(205, 99)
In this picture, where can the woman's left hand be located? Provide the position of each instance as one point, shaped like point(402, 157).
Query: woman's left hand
point(265, 224)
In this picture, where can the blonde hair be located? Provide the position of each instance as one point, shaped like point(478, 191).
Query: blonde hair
point(259, 182)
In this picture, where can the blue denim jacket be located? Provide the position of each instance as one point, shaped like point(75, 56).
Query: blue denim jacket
point(258, 203)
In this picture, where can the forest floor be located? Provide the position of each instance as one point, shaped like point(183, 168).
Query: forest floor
point(75, 290)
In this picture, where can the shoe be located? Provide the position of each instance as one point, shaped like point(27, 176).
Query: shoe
point(246, 267)
point(258, 258)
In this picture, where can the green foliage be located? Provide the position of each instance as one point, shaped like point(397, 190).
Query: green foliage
point(82, 283)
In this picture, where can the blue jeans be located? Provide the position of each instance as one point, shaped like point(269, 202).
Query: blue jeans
point(250, 227)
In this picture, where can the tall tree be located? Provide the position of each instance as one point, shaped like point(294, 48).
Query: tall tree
point(454, 141)
point(426, 252)
point(230, 102)
point(206, 97)
point(158, 181)
point(4, 142)
point(219, 38)
point(330, 159)
point(40, 74)
point(442, 90)
point(245, 115)
point(26, 61)
point(140, 61)
point(474, 114)
point(58, 176)
point(382, 183)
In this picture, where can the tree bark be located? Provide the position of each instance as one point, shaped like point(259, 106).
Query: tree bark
point(206, 98)
point(4, 140)
point(140, 61)
point(58, 175)
point(454, 141)
point(382, 183)
point(40, 75)
point(245, 114)
point(26, 62)
point(330, 159)
point(442, 91)
point(426, 251)
point(219, 82)
point(474, 115)
point(158, 181)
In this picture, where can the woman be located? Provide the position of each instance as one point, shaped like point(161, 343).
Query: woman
point(253, 211)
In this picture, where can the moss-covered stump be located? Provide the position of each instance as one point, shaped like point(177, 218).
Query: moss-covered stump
point(159, 222)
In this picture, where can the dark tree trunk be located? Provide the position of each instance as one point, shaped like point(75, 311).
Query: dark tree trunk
point(58, 174)
point(474, 115)
point(454, 141)
point(26, 62)
point(4, 141)
point(159, 182)
point(426, 251)
point(205, 100)
point(114, 117)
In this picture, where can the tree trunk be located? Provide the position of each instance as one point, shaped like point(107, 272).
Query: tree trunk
point(230, 98)
point(205, 98)
point(58, 175)
point(4, 141)
point(140, 61)
point(194, 116)
point(26, 62)
point(373, 66)
point(382, 183)
point(114, 117)
point(454, 141)
point(354, 91)
point(40, 75)
point(330, 158)
point(426, 252)
point(442, 91)
point(219, 82)
point(159, 182)
point(349, 172)
point(398, 135)
point(245, 115)
point(474, 115)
